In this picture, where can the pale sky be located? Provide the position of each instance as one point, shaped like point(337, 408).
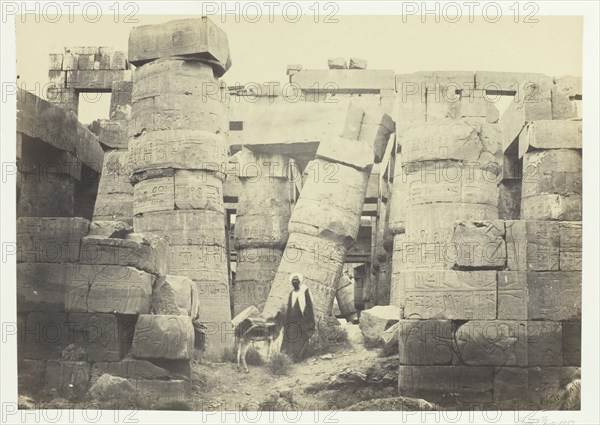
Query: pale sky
point(261, 51)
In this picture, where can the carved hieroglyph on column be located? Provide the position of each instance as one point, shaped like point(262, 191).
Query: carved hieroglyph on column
point(326, 218)
point(261, 225)
point(178, 153)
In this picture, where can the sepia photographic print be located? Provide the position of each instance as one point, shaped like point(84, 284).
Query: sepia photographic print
point(289, 212)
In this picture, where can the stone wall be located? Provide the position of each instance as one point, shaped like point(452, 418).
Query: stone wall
point(487, 245)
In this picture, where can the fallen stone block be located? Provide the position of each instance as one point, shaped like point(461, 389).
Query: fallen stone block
point(109, 289)
point(426, 342)
point(144, 252)
point(480, 244)
point(105, 337)
point(50, 240)
point(554, 295)
point(570, 245)
point(337, 63)
point(550, 134)
point(532, 245)
point(427, 295)
point(203, 40)
point(128, 368)
point(112, 388)
point(260, 231)
point(458, 384)
point(165, 336)
point(375, 321)
point(356, 63)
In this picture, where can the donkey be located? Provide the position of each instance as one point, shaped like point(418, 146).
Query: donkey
point(252, 329)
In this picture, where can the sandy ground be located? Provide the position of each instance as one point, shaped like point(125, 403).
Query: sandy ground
point(306, 386)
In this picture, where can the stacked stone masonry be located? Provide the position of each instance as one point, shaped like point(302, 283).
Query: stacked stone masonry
point(178, 156)
point(487, 245)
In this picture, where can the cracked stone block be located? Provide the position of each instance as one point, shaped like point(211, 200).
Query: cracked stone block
point(143, 252)
point(480, 244)
point(449, 140)
point(163, 337)
point(172, 295)
point(109, 289)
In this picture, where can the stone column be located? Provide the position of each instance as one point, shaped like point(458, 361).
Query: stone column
point(114, 201)
point(261, 225)
point(326, 218)
point(178, 154)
